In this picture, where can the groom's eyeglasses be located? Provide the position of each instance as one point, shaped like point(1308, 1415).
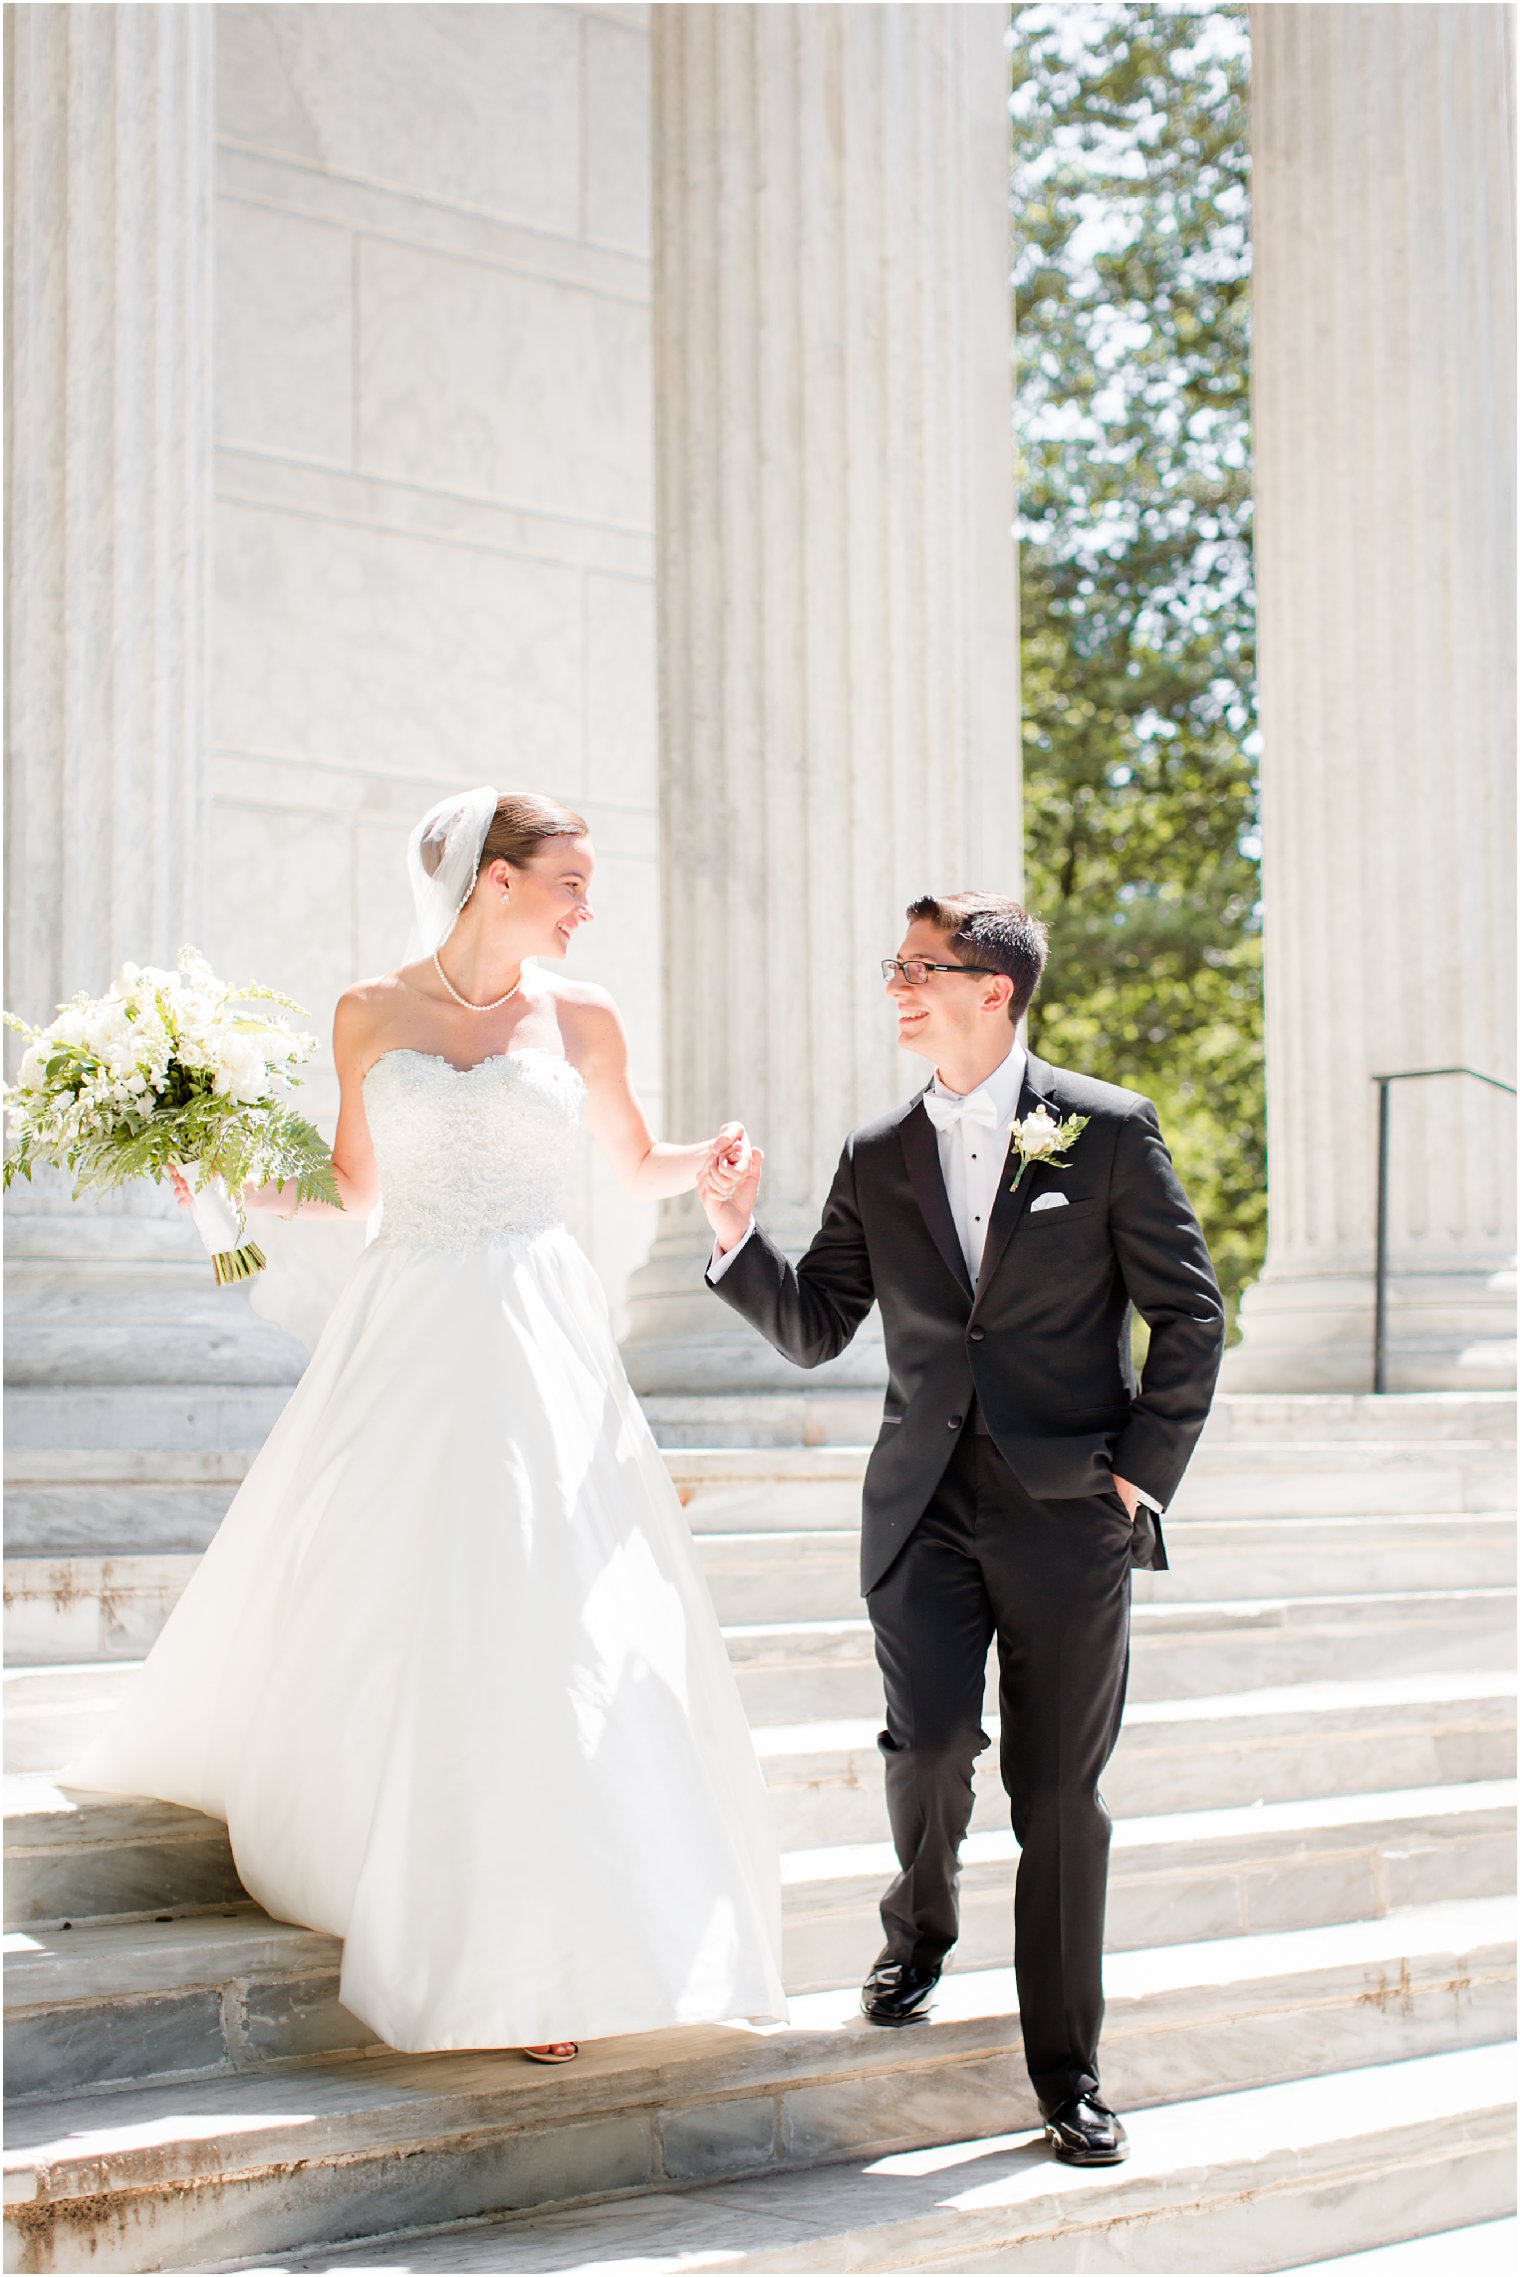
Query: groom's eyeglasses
point(915, 970)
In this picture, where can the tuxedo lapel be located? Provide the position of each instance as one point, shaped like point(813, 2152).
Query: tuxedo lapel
point(920, 1144)
point(1010, 1207)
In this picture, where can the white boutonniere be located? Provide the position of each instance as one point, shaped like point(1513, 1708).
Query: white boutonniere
point(1041, 1138)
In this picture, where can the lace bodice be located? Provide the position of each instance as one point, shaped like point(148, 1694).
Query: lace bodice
point(466, 1154)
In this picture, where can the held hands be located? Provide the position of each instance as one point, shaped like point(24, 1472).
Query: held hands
point(728, 1183)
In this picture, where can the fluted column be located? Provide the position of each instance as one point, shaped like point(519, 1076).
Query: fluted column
point(109, 133)
point(108, 383)
point(837, 622)
point(1384, 413)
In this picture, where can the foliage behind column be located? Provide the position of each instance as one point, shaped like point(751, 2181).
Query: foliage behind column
point(1130, 198)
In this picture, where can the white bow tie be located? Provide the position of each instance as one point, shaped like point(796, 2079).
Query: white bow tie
point(945, 1110)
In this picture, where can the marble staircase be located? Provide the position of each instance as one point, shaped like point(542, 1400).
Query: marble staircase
point(1329, 2161)
point(1311, 1921)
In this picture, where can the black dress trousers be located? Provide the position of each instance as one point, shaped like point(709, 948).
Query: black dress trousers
point(1050, 1581)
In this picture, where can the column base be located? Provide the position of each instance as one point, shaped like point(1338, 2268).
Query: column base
point(1446, 1332)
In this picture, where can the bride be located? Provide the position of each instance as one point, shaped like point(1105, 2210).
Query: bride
point(449, 1670)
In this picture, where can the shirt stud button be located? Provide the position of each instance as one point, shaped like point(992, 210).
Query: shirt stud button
point(956, 1421)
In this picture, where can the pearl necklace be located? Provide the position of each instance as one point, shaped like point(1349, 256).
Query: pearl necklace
point(464, 1000)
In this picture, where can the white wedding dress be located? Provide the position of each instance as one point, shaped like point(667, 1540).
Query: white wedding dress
point(449, 1670)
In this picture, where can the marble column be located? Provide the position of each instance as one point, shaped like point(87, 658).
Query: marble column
point(838, 632)
point(1385, 435)
point(114, 1335)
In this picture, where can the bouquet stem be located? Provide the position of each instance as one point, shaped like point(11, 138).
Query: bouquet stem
point(220, 1226)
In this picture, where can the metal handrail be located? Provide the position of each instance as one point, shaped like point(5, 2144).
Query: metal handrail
point(1380, 1269)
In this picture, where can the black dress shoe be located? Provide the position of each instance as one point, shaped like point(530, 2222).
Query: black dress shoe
point(894, 1993)
point(1084, 2132)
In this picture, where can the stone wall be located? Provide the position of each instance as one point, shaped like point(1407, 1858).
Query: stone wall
point(433, 498)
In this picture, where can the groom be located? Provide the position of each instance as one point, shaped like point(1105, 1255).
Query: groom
point(1021, 1467)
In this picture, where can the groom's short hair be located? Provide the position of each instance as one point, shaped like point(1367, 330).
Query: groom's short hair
point(989, 929)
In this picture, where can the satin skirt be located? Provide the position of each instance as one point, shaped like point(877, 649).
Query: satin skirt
point(450, 1673)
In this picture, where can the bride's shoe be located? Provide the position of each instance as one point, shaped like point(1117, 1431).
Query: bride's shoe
point(554, 2052)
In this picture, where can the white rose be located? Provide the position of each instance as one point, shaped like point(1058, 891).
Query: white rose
point(239, 1071)
point(116, 1039)
point(1038, 1133)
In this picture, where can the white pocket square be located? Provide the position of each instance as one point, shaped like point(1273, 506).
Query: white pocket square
point(1047, 1202)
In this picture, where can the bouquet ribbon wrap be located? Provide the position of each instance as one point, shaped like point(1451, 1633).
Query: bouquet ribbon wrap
point(220, 1226)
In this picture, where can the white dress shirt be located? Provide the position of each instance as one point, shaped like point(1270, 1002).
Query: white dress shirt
point(973, 1152)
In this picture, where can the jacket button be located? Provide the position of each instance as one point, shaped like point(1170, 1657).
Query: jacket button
point(977, 1334)
point(956, 1421)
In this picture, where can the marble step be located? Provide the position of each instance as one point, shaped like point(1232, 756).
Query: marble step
point(1327, 1749)
point(1183, 1876)
point(825, 1670)
point(1478, 2249)
point(179, 1998)
point(105, 1856)
point(1273, 1745)
point(1243, 1419)
point(808, 1670)
point(791, 1489)
point(1269, 1457)
point(81, 1607)
point(1248, 2181)
point(96, 1501)
point(96, 1855)
point(89, 2006)
point(85, 1607)
point(360, 2145)
point(778, 1576)
point(144, 1419)
point(86, 1857)
point(825, 1419)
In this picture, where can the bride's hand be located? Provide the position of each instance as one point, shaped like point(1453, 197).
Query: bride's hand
point(253, 1196)
point(728, 1190)
point(728, 1161)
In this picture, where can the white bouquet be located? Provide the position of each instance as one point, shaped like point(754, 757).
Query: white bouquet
point(166, 1071)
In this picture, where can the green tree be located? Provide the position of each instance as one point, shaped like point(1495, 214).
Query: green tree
point(1130, 202)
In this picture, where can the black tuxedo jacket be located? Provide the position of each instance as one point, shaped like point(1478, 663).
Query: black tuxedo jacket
point(1042, 1342)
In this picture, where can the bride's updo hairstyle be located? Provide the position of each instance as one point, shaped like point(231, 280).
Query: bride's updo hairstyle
point(463, 834)
point(520, 826)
